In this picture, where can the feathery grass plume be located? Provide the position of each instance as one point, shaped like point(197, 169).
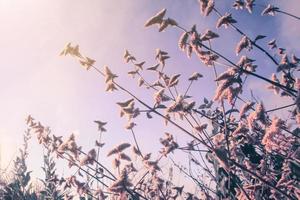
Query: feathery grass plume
point(285, 64)
point(110, 87)
point(128, 57)
point(227, 74)
point(183, 40)
point(241, 129)
point(281, 51)
point(173, 80)
point(201, 128)
point(188, 107)
point(249, 5)
point(124, 156)
point(116, 163)
point(222, 88)
point(87, 62)
point(141, 82)
point(272, 44)
point(260, 113)
point(126, 54)
point(209, 60)
point(238, 4)
point(225, 20)
point(244, 60)
point(203, 5)
point(101, 125)
point(189, 51)
point(297, 84)
point(284, 79)
point(29, 119)
point(130, 111)
point(273, 87)
point(209, 7)
point(257, 115)
point(153, 68)
point(230, 93)
point(270, 10)
point(140, 65)
point(172, 22)
point(273, 136)
point(259, 37)
point(119, 148)
point(99, 144)
point(156, 19)
point(152, 166)
point(209, 35)
point(130, 125)
point(245, 108)
point(247, 64)
point(195, 76)
point(121, 184)
point(295, 60)
point(176, 106)
point(109, 76)
point(67, 49)
point(136, 151)
point(130, 168)
point(161, 57)
point(133, 73)
point(71, 50)
point(147, 156)
point(125, 103)
point(167, 22)
point(298, 118)
point(243, 43)
point(159, 96)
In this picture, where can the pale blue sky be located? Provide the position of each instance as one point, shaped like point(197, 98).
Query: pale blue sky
point(58, 92)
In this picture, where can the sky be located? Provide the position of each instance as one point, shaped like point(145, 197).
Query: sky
point(55, 90)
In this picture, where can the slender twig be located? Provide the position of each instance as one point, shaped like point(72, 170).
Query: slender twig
point(187, 89)
point(136, 143)
point(280, 108)
point(289, 14)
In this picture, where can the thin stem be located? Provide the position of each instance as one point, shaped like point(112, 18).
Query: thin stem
point(162, 193)
point(289, 14)
point(190, 84)
point(136, 143)
point(98, 154)
point(279, 108)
